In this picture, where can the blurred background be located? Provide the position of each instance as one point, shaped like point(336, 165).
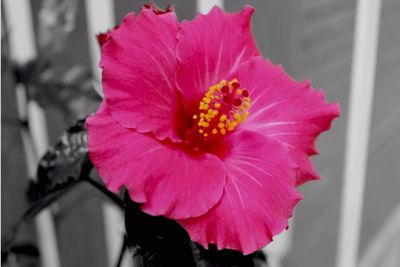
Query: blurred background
point(310, 38)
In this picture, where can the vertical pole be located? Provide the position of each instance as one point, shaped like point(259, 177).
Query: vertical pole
point(204, 6)
point(385, 239)
point(358, 127)
point(277, 250)
point(100, 18)
point(35, 141)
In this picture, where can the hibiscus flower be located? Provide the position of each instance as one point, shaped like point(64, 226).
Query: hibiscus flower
point(200, 128)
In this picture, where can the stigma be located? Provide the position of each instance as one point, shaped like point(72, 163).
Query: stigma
point(224, 106)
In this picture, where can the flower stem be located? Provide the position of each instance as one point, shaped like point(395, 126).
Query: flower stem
point(117, 201)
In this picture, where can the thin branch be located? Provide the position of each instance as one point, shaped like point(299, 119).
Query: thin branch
point(122, 252)
point(114, 198)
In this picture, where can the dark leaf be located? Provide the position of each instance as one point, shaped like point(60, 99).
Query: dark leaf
point(24, 254)
point(62, 164)
point(25, 250)
point(49, 197)
point(227, 258)
point(159, 241)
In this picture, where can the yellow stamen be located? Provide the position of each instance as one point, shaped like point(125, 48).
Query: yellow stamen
point(222, 109)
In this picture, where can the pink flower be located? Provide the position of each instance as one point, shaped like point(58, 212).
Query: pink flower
point(103, 37)
point(201, 129)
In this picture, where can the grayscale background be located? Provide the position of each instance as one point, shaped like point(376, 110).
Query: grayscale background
point(311, 39)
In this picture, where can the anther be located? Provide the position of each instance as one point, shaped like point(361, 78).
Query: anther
point(225, 89)
point(221, 110)
point(237, 102)
point(235, 85)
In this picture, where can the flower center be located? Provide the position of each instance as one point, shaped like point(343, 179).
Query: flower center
point(220, 111)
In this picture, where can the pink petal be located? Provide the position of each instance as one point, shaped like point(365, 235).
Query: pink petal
point(258, 199)
point(169, 181)
point(139, 65)
point(157, 10)
point(285, 110)
point(210, 46)
point(103, 37)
